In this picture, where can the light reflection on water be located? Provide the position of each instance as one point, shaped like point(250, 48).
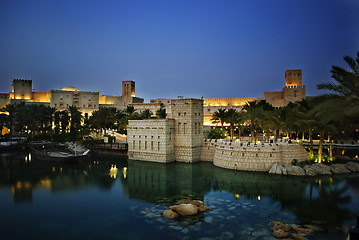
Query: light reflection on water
point(105, 197)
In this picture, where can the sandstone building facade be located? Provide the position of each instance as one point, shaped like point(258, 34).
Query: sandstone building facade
point(85, 101)
point(293, 91)
point(180, 138)
point(166, 140)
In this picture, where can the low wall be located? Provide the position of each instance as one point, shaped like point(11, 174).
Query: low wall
point(251, 157)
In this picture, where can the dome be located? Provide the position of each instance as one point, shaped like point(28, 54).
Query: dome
point(70, 89)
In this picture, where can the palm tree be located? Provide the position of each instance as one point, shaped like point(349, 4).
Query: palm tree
point(232, 117)
point(75, 118)
point(161, 113)
point(342, 103)
point(65, 120)
point(219, 116)
point(146, 114)
point(103, 118)
point(11, 110)
point(130, 110)
point(252, 113)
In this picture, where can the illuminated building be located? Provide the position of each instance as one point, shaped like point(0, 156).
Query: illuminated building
point(86, 102)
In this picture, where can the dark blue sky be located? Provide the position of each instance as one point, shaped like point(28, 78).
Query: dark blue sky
point(169, 48)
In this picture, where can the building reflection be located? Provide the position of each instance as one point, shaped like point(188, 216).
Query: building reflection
point(308, 198)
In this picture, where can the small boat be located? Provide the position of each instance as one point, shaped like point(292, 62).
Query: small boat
point(58, 155)
point(12, 143)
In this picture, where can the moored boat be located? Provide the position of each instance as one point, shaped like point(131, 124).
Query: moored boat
point(12, 143)
point(56, 154)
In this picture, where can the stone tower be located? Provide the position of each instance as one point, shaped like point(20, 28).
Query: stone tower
point(188, 115)
point(293, 78)
point(293, 90)
point(22, 89)
point(128, 92)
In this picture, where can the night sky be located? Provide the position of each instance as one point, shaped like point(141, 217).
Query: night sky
point(169, 48)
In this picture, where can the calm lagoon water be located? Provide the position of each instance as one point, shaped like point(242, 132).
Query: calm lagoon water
point(41, 200)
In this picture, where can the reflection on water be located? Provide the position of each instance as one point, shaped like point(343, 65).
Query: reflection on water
point(106, 195)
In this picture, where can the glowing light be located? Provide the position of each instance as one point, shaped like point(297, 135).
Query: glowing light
point(29, 157)
point(356, 156)
point(53, 169)
point(259, 197)
point(113, 171)
point(236, 196)
point(343, 152)
point(124, 172)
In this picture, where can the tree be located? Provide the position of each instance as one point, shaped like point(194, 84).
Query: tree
point(252, 113)
point(146, 114)
point(130, 110)
point(11, 110)
point(342, 103)
point(64, 120)
point(219, 116)
point(161, 113)
point(232, 117)
point(103, 118)
point(75, 119)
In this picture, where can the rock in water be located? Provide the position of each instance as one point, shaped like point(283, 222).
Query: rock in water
point(339, 168)
point(321, 168)
point(203, 208)
point(354, 165)
point(170, 214)
point(185, 209)
point(280, 233)
point(295, 171)
point(277, 168)
point(310, 171)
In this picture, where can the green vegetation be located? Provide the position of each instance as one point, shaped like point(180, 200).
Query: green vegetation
point(333, 115)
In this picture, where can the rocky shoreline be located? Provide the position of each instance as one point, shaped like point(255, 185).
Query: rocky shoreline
point(314, 169)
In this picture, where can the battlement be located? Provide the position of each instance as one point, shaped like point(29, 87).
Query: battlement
point(22, 81)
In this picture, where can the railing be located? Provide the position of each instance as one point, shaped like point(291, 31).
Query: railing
point(101, 145)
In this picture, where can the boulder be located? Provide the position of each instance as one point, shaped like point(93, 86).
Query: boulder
point(350, 167)
point(354, 165)
point(170, 214)
point(310, 171)
point(297, 236)
point(189, 201)
point(295, 171)
point(280, 233)
point(303, 230)
point(277, 168)
point(185, 209)
point(203, 208)
point(339, 168)
point(321, 169)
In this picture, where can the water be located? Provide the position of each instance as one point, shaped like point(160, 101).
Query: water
point(41, 200)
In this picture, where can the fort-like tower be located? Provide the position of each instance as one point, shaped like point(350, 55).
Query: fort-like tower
point(128, 92)
point(293, 90)
point(188, 115)
point(21, 89)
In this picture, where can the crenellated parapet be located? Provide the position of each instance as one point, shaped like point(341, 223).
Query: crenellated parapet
point(249, 156)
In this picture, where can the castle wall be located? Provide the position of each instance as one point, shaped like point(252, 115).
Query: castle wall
point(293, 94)
point(111, 101)
point(41, 97)
point(22, 89)
point(151, 140)
point(239, 156)
point(4, 99)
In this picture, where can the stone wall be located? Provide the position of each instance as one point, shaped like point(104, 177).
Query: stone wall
point(151, 140)
point(251, 157)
